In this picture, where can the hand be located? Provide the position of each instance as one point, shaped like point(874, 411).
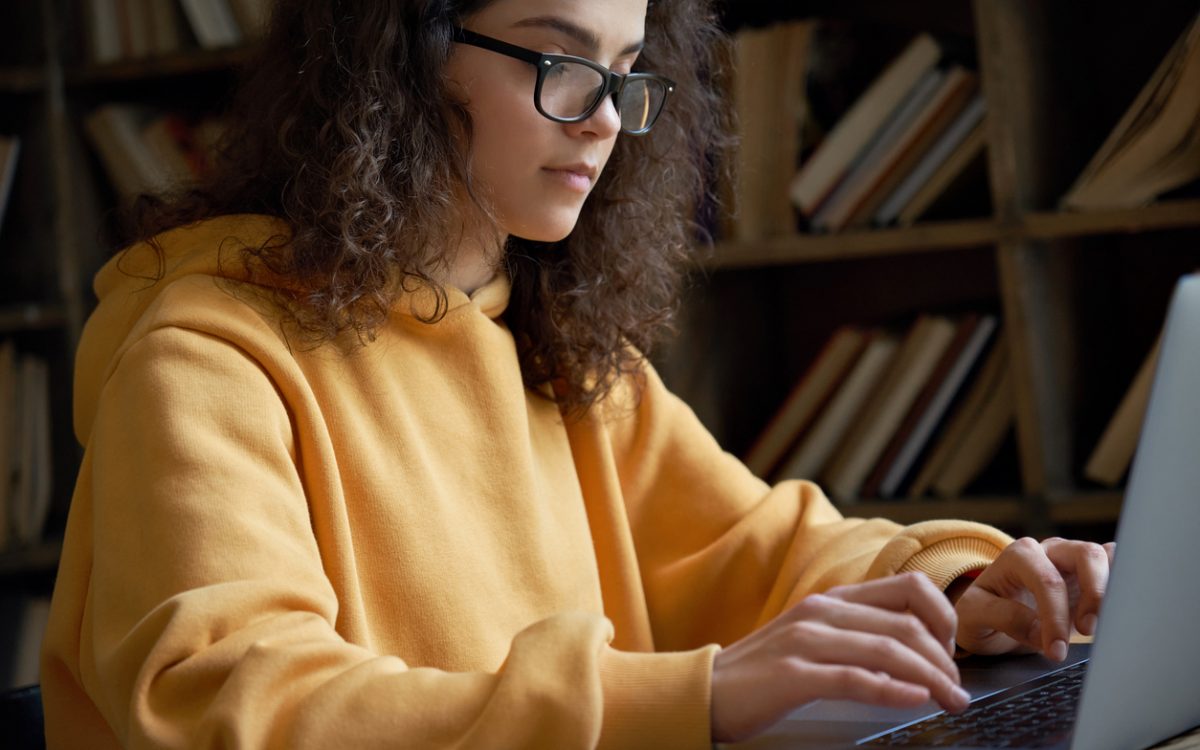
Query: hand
point(888, 642)
point(1032, 594)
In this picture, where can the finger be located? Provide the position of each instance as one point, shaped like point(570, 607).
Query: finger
point(1089, 563)
point(878, 653)
point(1026, 559)
point(841, 682)
point(912, 592)
point(985, 615)
point(904, 627)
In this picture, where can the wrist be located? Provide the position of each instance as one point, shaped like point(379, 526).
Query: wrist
point(960, 584)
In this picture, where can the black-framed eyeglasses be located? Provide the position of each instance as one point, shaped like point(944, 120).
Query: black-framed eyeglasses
point(571, 89)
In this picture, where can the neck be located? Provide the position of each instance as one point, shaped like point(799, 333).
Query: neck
point(476, 261)
point(469, 272)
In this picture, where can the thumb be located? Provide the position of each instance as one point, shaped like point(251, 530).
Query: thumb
point(988, 624)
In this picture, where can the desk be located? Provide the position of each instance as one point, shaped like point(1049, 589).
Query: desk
point(835, 724)
point(1189, 741)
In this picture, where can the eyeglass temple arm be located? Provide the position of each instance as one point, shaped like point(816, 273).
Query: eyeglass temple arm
point(466, 36)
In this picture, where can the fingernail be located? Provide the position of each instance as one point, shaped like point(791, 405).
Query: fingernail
point(964, 698)
point(1058, 650)
point(1088, 624)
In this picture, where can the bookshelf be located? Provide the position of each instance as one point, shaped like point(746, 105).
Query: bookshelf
point(54, 236)
point(1045, 71)
point(1055, 78)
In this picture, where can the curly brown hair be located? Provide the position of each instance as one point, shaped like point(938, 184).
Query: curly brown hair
point(331, 130)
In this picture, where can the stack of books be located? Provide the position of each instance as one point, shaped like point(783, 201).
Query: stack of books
point(770, 68)
point(895, 413)
point(135, 29)
point(146, 150)
point(1155, 147)
point(915, 129)
point(26, 473)
point(10, 150)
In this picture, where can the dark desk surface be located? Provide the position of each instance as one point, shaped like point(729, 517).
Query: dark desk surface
point(1182, 742)
point(813, 726)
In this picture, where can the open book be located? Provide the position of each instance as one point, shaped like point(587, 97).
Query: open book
point(1156, 145)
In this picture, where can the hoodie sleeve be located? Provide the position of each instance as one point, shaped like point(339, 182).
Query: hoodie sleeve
point(721, 552)
point(193, 609)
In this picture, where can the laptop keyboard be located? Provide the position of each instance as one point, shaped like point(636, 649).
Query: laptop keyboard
point(1035, 714)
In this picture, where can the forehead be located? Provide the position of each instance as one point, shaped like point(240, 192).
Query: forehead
point(615, 23)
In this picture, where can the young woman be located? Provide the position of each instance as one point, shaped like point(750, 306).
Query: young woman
point(373, 458)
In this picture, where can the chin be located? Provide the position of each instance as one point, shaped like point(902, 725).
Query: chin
point(546, 231)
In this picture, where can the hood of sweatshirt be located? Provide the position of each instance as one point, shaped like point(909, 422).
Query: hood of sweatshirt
point(135, 278)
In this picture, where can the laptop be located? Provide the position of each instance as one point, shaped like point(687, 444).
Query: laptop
point(1139, 682)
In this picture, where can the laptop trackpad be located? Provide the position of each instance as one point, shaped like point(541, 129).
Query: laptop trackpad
point(832, 724)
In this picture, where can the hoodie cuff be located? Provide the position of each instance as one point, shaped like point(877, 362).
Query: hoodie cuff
point(657, 700)
point(948, 559)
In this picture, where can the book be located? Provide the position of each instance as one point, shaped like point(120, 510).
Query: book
point(957, 167)
point(769, 65)
point(912, 155)
point(41, 473)
point(141, 148)
point(964, 414)
point(809, 457)
point(103, 30)
point(820, 173)
point(910, 107)
point(929, 415)
point(10, 152)
point(135, 27)
point(963, 127)
point(29, 502)
point(115, 132)
point(900, 153)
point(981, 441)
point(1155, 146)
point(251, 16)
point(164, 137)
point(8, 433)
point(860, 449)
point(166, 27)
point(963, 331)
point(1111, 457)
point(212, 22)
point(836, 357)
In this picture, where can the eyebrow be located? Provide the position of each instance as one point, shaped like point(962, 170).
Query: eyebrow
point(589, 40)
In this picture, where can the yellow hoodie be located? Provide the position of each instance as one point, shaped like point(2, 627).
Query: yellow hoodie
point(399, 545)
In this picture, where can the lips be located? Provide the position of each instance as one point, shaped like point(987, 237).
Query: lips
point(578, 177)
point(580, 168)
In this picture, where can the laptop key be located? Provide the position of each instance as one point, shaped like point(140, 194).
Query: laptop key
point(1038, 717)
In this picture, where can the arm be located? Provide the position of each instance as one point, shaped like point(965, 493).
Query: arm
point(722, 553)
point(195, 606)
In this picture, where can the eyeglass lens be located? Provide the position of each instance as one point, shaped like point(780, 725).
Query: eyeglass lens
point(570, 89)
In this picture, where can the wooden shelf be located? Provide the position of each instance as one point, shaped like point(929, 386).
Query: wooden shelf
point(179, 63)
point(1085, 507)
point(1156, 216)
point(1074, 507)
point(811, 248)
point(22, 80)
point(952, 235)
point(39, 558)
point(999, 511)
point(31, 317)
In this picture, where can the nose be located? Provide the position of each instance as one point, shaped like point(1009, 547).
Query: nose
point(605, 122)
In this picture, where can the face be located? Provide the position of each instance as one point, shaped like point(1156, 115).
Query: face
point(535, 172)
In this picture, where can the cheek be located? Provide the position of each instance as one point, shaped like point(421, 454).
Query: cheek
point(508, 139)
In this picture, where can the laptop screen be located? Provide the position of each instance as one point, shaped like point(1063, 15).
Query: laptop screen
point(1141, 686)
